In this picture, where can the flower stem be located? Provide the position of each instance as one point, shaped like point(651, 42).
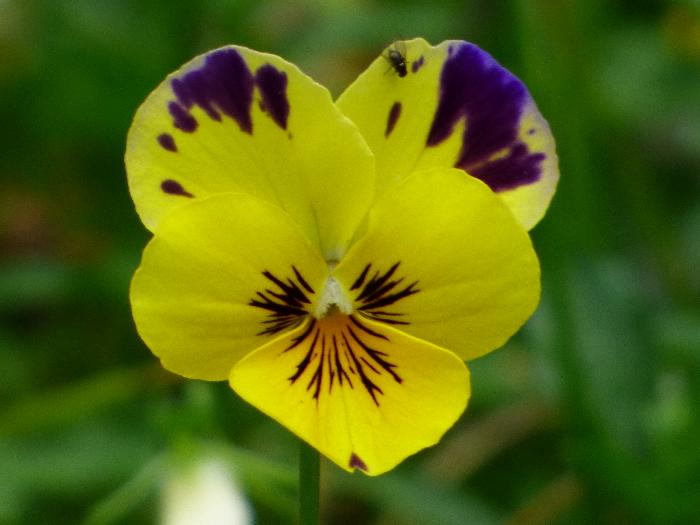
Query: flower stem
point(309, 484)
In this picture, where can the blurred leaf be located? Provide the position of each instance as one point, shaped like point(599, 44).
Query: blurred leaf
point(75, 463)
point(122, 502)
point(81, 400)
point(678, 333)
point(617, 362)
point(24, 283)
point(413, 500)
point(642, 82)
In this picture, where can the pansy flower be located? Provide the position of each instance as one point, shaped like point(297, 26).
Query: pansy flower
point(338, 262)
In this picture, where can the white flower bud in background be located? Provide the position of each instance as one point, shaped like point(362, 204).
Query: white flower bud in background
point(204, 492)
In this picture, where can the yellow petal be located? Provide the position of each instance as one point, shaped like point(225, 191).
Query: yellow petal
point(455, 106)
point(221, 276)
point(445, 261)
point(238, 120)
point(362, 393)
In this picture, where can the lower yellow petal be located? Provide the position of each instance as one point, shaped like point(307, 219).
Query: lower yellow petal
point(362, 393)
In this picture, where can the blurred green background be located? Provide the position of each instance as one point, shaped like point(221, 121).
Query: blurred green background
point(589, 415)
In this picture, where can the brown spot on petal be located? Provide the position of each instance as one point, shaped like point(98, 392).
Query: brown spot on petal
point(172, 187)
point(356, 462)
point(167, 141)
point(417, 64)
point(393, 116)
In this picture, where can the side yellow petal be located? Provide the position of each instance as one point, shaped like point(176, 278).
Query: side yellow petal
point(222, 276)
point(445, 261)
point(455, 107)
point(362, 393)
point(238, 120)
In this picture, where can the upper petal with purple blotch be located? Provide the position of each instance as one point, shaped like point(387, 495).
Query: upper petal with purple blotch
point(459, 108)
point(235, 120)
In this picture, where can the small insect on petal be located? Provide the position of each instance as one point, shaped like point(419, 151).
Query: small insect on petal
point(396, 56)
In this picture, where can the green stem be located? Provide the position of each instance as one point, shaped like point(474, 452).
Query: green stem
point(309, 484)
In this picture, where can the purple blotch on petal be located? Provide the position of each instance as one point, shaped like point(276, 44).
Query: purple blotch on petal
point(519, 167)
point(167, 141)
point(474, 86)
point(172, 187)
point(273, 89)
point(195, 91)
point(356, 462)
point(394, 113)
point(416, 65)
point(223, 84)
point(182, 118)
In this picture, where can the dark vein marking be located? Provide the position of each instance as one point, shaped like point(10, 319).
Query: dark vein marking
point(381, 291)
point(370, 365)
point(333, 349)
point(300, 338)
point(286, 305)
point(376, 281)
point(328, 363)
point(302, 281)
point(377, 356)
point(370, 386)
point(361, 279)
point(340, 369)
point(362, 327)
point(333, 358)
point(301, 367)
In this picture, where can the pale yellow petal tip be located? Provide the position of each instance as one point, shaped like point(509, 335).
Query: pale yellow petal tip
point(529, 203)
point(363, 394)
